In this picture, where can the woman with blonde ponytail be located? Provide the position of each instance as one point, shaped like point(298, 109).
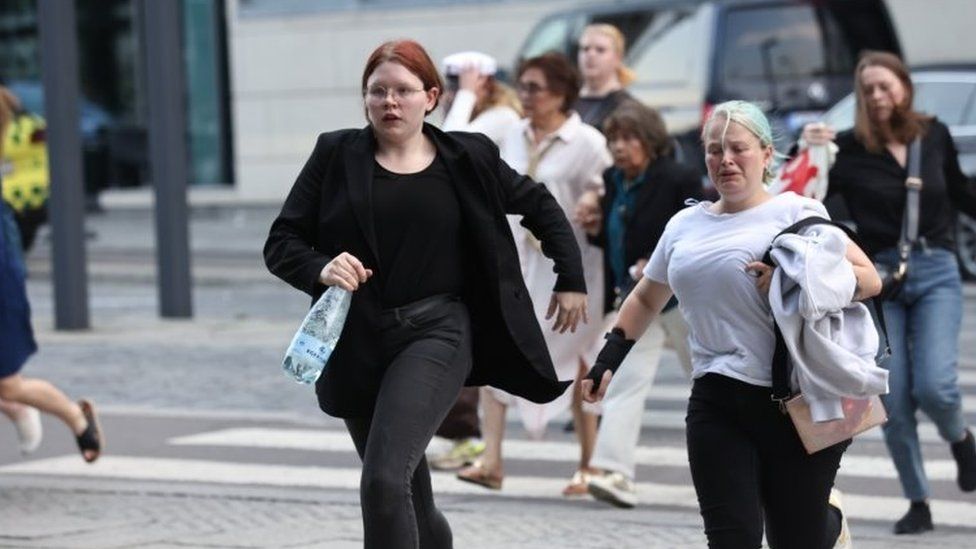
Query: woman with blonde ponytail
point(601, 63)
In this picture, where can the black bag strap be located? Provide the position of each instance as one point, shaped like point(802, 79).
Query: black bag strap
point(781, 364)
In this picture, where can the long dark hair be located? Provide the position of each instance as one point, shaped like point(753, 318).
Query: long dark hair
point(905, 123)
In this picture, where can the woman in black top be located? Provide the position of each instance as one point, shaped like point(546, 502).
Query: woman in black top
point(924, 317)
point(413, 221)
point(601, 63)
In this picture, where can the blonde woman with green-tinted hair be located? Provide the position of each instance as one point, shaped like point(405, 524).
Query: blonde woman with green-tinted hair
point(750, 471)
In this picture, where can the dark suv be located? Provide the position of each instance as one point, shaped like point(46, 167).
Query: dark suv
point(793, 57)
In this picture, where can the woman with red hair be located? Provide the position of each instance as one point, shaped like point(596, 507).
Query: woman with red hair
point(413, 221)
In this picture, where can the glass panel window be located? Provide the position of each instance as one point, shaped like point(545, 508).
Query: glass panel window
point(772, 43)
point(946, 100)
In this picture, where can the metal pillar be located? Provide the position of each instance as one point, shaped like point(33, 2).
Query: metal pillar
point(59, 67)
point(168, 153)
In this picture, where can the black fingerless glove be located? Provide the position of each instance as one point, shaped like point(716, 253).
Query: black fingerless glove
point(611, 355)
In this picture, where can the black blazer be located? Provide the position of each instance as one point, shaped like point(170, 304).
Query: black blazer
point(668, 185)
point(328, 211)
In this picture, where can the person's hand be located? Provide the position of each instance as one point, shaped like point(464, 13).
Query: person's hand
point(611, 356)
point(587, 391)
point(588, 213)
point(345, 271)
point(471, 79)
point(569, 308)
point(636, 270)
point(763, 274)
point(817, 133)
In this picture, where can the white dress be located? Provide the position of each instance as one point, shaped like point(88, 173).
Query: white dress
point(569, 162)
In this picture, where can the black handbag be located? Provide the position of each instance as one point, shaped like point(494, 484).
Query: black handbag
point(893, 277)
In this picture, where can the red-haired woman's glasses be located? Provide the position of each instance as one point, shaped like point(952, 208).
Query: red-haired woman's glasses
point(378, 94)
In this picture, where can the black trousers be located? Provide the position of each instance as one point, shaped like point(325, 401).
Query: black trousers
point(427, 348)
point(750, 468)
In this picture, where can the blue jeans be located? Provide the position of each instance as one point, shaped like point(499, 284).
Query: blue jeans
point(923, 325)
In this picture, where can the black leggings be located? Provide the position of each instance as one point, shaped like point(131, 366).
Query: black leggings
point(749, 467)
point(427, 346)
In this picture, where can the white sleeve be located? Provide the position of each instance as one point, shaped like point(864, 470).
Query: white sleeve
point(601, 160)
point(459, 116)
point(657, 267)
point(494, 123)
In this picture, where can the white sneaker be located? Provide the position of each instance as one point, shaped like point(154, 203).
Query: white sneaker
point(613, 488)
point(844, 538)
point(29, 430)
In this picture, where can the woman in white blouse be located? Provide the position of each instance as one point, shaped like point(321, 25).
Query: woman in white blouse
point(553, 145)
point(474, 100)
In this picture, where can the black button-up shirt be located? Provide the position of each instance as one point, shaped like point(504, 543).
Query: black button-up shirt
point(873, 186)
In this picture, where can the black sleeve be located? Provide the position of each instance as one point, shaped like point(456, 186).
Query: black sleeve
point(290, 250)
point(542, 215)
point(960, 188)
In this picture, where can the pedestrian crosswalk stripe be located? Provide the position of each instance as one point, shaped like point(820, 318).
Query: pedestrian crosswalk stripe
point(853, 465)
point(950, 513)
point(673, 392)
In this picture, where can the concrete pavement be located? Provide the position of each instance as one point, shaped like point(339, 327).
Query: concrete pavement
point(209, 446)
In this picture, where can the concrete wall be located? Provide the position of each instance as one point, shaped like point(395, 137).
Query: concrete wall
point(294, 76)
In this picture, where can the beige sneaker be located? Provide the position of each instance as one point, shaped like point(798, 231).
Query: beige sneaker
point(613, 488)
point(464, 452)
point(29, 430)
point(844, 538)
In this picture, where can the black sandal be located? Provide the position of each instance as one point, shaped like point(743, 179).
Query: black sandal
point(90, 440)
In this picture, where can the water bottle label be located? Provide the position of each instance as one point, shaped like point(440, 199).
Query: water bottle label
point(311, 348)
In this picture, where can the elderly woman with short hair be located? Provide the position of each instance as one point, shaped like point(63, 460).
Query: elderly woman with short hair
point(644, 188)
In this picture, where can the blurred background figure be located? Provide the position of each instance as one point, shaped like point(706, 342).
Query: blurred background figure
point(27, 421)
point(553, 145)
point(475, 101)
point(644, 188)
point(601, 63)
point(17, 337)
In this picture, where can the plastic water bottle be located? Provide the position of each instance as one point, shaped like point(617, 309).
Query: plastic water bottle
point(318, 335)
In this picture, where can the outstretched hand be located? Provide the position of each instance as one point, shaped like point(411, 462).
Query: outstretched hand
point(569, 308)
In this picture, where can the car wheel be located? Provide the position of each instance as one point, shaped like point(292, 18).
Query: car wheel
point(966, 246)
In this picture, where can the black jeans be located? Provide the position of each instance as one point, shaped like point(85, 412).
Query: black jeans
point(427, 348)
point(749, 467)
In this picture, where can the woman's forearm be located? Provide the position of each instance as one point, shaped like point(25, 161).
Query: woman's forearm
point(641, 307)
point(868, 281)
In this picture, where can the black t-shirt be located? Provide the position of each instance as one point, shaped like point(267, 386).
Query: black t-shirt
point(595, 110)
point(873, 187)
point(419, 234)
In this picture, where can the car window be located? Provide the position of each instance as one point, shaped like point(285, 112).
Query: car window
point(662, 55)
point(947, 100)
point(550, 35)
point(971, 115)
point(841, 116)
point(632, 24)
point(771, 43)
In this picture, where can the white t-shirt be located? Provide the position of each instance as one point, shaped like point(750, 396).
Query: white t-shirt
point(702, 256)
